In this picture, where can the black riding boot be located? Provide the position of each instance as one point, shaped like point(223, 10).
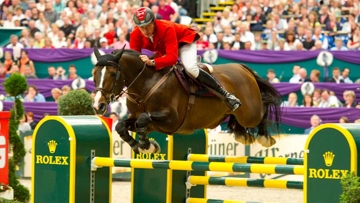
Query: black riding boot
point(209, 81)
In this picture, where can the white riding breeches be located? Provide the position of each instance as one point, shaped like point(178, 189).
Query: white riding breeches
point(188, 56)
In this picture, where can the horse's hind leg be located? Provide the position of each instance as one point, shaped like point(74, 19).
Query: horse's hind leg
point(264, 138)
point(241, 134)
point(145, 145)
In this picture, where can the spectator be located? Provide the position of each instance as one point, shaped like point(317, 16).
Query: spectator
point(115, 119)
point(14, 69)
point(308, 42)
point(25, 60)
point(271, 76)
point(303, 76)
point(110, 35)
point(72, 72)
point(313, 19)
point(58, 6)
point(30, 120)
point(315, 76)
point(9, 22)
point(27, 17)
point(39, 40)
point(103, 43)
point(344, 119)
point(65, 90)
point(167, 12)
point(291, 41)
point(50, 14)
point(318, 45)
point(51, 72)
point(28, 73)
point(319, 36)
point(336, 76)
point(55, 93)
point(357, 120)
point(326, 101)
point(24, 125)
point(219, 43)
point(345, 76)
point(280, 23)
point(246, 35)
point(228, 35)
point(307, 101)
point(324, 16)
point(18, 14)
point(121, 42)
point(200, 43)
point(332, 26)
point(354, 41)
point(68, 28)
point(339, 45)
point(25, 37)
point(209, 35)
point(273, 41)
point(237, 44)
point(296, 77)
point(316, 97)
point(349, 98)
point(315, 122)
point(48, 43)
point(33, 29)
point(60, 74)
point(155, 10)
point(59, 41)
point(281, 45)
point(257, 42)
point(292, 101)
point(8, 61)
point(79, 42)
point(33, 95)
point(14, 43)
point(2, 71)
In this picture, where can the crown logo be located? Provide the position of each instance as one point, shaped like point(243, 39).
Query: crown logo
point(328, 158)
point(151, 139)
point(52, 146)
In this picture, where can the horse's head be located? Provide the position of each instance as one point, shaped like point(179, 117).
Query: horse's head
point(107, 78)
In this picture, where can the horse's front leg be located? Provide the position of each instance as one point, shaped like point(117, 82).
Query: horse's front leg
point(122, 128)
point(145, 145)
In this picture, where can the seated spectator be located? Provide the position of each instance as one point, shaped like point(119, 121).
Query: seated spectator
point(344, 119)
point(115, 119)
point(25, 60)
point(48, 44)
point(313, 19)
point(79, 42)
point(280, 24)
point(349, 98)
point(245, 34)
point(209, 35)
point(316, 97)
point(268, 29)
point(324, 16)
point(357, 120)
point(339, 45)
point(28, 73)
point(14, 42)
point(247, 46)
point(346, 27)
point(30, 120)
point(291, 102)
point(303, 76)
point(24, 125)
point(228, 35)
point(226, 46)
point(51, 72)
point(335, 76)
point(104, 43)
point(345, 76)
point(237, 44)
point(56, 93)
point(315, 75)
point(33, 95)
point(14, 69)
point(296, 77)
point(281, 45)
point(314, 122)
point(9, 22)
point(326, 101)
point(299, 47)
point(257, 42)
point(308, 42)
point(354, 41)
point(318, 45)
point(72, 72)
point(264, 45)
point(200, 43)
point(319, 36)
point(290, 41)
point(121, 42)
point(333, 26)
point(65, 90)
point(273, 41)
point(60, 74)
point(2, 71)
point(8, 60)
point(307, 101)
point(25, 37)
point(167, 12)
point(39, 40)
point(110, 35)
point(271, 76)
point(219, 44)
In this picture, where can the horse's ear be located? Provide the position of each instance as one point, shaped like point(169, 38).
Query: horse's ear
point(96, 52)
point(118, 54)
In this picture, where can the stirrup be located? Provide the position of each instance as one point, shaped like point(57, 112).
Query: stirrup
point(232, 102)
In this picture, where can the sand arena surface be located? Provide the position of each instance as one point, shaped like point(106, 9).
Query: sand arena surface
point(121, 193)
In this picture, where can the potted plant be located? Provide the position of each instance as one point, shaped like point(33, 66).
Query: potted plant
point(351, 189)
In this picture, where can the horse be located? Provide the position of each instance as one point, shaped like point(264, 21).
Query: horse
point(157, 101)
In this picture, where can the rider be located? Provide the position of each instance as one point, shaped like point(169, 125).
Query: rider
point(167, 39)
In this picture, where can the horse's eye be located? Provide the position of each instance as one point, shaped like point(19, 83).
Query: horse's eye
point(113, 74)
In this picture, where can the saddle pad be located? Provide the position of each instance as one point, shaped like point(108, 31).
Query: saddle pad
point(186, 82)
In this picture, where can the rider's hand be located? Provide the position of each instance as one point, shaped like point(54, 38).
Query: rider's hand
point(146, 60)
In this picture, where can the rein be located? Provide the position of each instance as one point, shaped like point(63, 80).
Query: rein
point(151, 91)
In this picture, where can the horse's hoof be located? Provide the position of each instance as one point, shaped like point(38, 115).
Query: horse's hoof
point(245, 139)
point(154, 148)
point(266, 141)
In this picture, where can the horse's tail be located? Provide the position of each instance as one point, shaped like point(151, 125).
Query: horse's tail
point(271, 100)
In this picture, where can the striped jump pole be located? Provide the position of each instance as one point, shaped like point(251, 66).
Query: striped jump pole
point(203, 200)
point(245, 182)
point(245, 159)
point(198, 166)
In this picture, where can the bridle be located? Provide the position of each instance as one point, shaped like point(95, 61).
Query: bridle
point(112, 96)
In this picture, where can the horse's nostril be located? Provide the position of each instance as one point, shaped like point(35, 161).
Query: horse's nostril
point(102, 106)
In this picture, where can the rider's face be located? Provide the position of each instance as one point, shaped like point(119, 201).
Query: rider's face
point(147, 30)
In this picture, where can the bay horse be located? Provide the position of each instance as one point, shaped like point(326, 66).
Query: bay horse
point(157, 101)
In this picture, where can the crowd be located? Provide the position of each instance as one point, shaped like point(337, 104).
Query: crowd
point(249, 25)
point(252, 25)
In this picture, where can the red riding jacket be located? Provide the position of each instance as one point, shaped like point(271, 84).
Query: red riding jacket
point(167, 39)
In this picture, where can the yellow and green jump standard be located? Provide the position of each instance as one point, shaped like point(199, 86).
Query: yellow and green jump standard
point(72, 163)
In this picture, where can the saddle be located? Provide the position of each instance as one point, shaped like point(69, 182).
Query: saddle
point(190, 84)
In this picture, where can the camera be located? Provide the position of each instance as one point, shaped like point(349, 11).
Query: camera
point(218, 18)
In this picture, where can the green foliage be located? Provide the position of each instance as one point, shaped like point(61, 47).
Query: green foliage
point(9, 201)
point(15, 85)
point(76, 102)
point(351, 189)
